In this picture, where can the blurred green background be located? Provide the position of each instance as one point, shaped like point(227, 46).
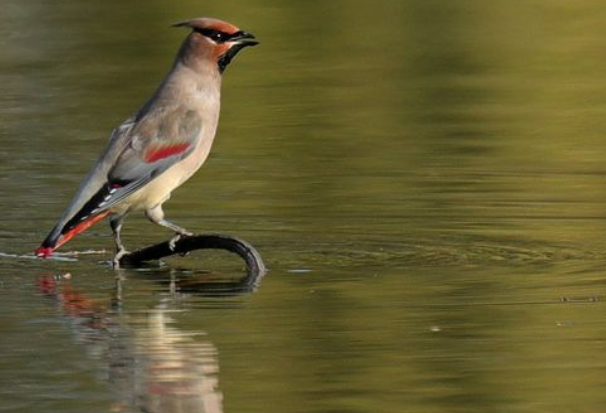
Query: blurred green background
point(425, 180)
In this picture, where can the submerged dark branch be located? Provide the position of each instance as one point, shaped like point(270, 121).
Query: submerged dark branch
point(254, 263)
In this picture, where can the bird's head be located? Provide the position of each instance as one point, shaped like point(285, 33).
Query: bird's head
point(214, 40)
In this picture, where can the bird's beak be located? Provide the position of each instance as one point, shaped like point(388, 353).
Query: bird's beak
point(244, 39)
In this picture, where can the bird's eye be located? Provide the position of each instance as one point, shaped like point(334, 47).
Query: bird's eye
point(214, 35)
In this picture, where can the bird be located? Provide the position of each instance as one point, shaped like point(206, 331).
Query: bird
point(161, 145)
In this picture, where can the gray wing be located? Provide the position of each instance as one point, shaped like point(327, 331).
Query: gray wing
point(157, 143)
point(138, 151)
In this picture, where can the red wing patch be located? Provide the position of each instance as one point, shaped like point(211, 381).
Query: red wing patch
point(154, 155)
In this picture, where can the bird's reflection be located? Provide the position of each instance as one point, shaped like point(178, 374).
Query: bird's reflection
point(158, 368)
point(151, 365)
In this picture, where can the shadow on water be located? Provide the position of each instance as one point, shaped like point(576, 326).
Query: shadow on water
point(149, 363)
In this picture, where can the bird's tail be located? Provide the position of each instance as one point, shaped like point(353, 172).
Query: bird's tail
point(64, 232)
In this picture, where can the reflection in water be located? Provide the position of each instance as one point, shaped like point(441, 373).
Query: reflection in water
point(159, 368)
point(152, 366)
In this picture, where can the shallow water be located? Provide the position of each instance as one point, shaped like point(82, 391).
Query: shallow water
point(425, 181)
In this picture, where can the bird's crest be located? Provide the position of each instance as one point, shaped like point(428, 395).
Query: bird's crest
point(203, 23)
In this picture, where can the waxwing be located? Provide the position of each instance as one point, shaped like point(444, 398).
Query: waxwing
point(162, 145)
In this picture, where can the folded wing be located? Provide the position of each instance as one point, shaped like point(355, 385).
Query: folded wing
point(139, 151)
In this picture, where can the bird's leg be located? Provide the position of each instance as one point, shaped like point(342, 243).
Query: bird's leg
point(116, 224)
point(156, 215)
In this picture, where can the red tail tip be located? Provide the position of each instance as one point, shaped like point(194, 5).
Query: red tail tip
point(43, 252)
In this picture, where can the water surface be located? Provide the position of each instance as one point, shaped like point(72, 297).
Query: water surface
point(425, 181)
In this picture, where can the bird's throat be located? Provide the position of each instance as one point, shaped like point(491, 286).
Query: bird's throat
point(226, 58)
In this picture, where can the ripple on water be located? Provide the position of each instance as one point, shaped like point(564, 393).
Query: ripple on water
point(444, 252)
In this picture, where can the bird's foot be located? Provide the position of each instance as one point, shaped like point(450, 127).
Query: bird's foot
point(172, 244)
point(116, 261)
